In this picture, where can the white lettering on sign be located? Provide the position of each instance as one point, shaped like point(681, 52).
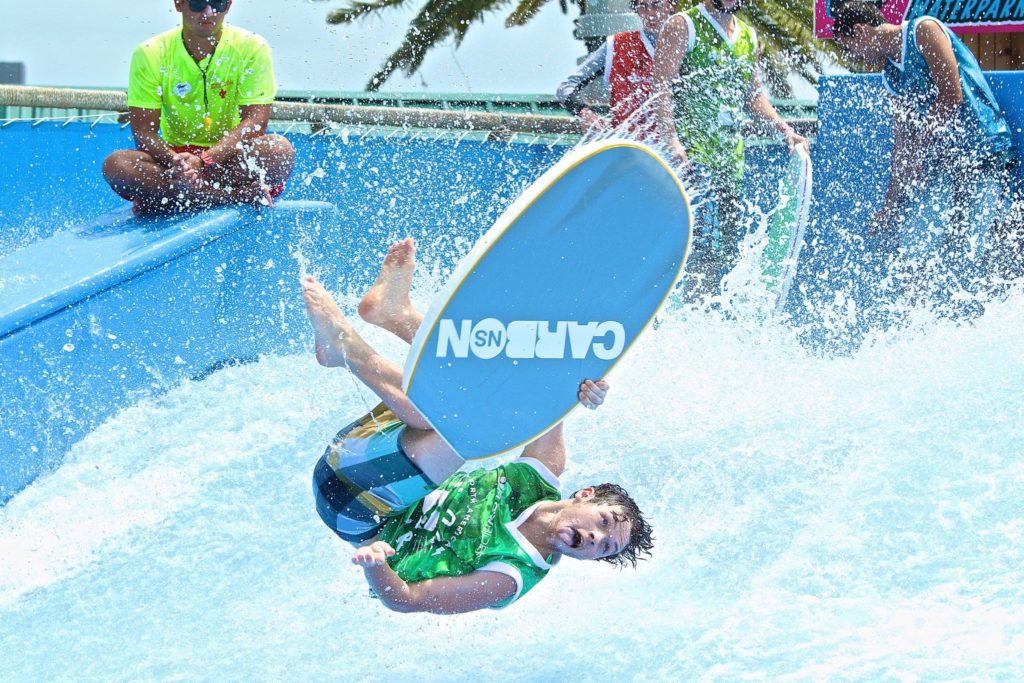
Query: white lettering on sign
point(489, 337)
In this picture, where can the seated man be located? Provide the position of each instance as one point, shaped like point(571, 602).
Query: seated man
point(436, 539)
point(199, 100)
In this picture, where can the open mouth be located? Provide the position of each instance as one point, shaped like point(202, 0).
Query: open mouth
point(571, 537)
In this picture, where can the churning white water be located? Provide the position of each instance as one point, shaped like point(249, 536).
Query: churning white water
point(849, 517)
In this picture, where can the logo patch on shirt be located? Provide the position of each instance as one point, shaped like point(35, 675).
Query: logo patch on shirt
point(182, 89)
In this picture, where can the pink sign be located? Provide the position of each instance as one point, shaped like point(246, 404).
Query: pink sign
point(892, 9)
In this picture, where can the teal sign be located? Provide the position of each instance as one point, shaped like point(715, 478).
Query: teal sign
point(963, 16)
point(1007, 15)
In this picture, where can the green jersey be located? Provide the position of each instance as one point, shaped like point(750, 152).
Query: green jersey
point(715, 81)
point(471, 523)
point(199, 103)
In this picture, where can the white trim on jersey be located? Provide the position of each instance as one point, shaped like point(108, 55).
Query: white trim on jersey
point(507, 570)
point(542, 469)
point(609, 55)
point(513, 528)
point(718, 27)
point(691, 32)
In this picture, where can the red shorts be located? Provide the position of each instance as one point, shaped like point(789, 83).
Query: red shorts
point(275, 192)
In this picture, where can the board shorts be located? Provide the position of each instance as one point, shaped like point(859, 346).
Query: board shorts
point(365, 477)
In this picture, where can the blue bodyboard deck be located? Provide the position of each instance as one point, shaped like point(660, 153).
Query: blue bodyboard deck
point(555, 292)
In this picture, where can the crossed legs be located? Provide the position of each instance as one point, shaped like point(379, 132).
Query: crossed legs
point(259, 165)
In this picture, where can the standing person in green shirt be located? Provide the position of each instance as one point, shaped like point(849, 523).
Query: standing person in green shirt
point(705, 78)
point(434, 538)
point(199, 102)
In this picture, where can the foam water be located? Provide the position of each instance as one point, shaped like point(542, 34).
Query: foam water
point(857, 517)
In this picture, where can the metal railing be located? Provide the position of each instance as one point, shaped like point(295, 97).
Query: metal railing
point(320, 112)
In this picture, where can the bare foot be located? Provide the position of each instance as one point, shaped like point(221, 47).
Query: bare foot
point(328, 322)
point(387, 303)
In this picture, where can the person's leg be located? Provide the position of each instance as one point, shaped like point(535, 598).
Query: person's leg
point(730, 223)
point(387, 303)
point(376, 468)
point(137, 176)
point(338, 344)
point(701, 265)
point(976, 202)
point(1005, 256)
point(275, 156)
point(265, 161)
point(716, 246)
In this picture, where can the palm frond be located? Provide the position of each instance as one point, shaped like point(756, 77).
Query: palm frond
point(437, 21)
point(785, 29)
point(359, 8)
point(526, 10)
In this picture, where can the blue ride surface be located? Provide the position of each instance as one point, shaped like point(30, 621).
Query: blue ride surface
point(100, 309)
point(807, 510)
point(834, 295)
point(556, 292)
point(230, 295)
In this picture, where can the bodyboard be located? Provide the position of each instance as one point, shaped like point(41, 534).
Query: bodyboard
point(554, 293)
point(786, 230)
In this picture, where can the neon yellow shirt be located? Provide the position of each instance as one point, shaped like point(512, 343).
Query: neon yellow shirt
point(164, 76)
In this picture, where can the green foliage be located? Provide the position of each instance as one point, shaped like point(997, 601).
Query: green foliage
point(785, 31)
point(784, 27)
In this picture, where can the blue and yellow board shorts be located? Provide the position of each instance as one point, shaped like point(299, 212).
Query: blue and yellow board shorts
point(364, 477)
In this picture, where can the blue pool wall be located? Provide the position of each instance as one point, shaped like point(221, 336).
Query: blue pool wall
point(834, 298)
point(122, 308)
point(140, 305)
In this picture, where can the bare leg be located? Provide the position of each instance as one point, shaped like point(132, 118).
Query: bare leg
point(266, 160)
point(338, 344)
point(137, 175)
point(246, 178)
point(387, 304)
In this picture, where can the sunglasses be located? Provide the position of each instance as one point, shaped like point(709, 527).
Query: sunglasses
point(215, 5)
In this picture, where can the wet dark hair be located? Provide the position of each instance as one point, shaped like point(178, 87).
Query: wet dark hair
point(640, 540)
point(850, 13)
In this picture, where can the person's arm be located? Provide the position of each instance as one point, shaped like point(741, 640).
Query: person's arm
point(904, 163)
point(570, 91)
point(144, 106)
point(760, 107)
point(668, 57)
point(442, 595)
point(549, 448)
point(145, 125)
point(944, 72)
point(255, 119)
